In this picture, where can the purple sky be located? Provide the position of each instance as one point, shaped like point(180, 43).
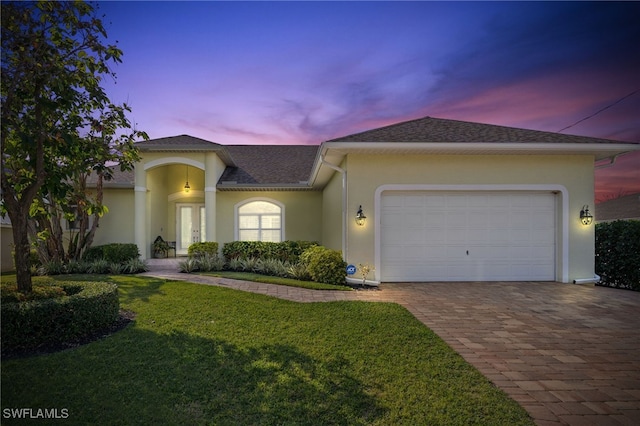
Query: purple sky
point(305, 72)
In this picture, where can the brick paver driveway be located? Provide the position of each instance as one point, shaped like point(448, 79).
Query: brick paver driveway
point(568, 354)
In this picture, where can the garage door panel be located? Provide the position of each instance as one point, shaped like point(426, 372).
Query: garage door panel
point(465, 236)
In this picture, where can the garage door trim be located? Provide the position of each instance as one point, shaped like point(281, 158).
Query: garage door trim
point(563, 244)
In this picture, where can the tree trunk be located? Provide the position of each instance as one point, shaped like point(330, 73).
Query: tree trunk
point(22, 251)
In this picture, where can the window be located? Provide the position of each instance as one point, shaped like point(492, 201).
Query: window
point(260, 221)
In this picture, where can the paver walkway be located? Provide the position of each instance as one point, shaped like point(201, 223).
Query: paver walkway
point(569, 354)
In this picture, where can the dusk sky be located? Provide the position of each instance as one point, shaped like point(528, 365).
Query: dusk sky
point(306, 72)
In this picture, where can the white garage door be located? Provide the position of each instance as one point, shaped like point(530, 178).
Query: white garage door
point(467, 236)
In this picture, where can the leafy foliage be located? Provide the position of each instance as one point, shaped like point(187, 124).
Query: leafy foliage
point(58, 127)
point(325, 265)
point(286, 251)
point(83, 308)
point(199, 249)
point(617, 254)
point(115, 252)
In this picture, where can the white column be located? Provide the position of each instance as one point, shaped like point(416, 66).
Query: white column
point(140, 212)
point(210, 181)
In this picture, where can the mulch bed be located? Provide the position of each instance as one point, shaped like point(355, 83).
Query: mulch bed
point(124, 319)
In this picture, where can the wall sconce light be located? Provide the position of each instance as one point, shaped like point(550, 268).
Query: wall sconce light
point(585, 217)
point(187, 187)
point(360, 217)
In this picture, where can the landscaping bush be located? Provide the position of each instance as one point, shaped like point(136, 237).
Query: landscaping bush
point(86, 307)
point(617, 254)
point(114, 253)
point(325, 265)
point(203, 248)
point(286, 251)
point(211, 262)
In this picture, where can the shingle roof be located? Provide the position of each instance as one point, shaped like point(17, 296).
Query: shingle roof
point(437, 130)
point(627, 207)
point(184, 143)
point(269, 164)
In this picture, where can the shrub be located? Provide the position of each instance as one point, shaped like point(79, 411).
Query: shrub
point(617, 259)
point(325, 265)
point(87, 307)
point(275, 267)
point(116, 268)
point(298, 271)
point(234, 264)
point(203, 248)
point(115, 252)
point(208, 263)
point(189, 265)
point(78, 267)
point(134, 266)
point(9, 292)
point(52, 267)
point(286, 251)
point(100, 266)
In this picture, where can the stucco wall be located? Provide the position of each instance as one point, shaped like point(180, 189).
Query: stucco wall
point(303, 213)
point(368, 172)
point(332, 212)
point(117, 225)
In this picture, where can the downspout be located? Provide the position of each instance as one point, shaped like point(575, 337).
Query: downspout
point(344, 203)
point(612, 161)
point(594, 280)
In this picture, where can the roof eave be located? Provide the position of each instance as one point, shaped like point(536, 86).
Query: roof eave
point(600, 150)
point(221, 152)
point(264, 187)
point(335, 151)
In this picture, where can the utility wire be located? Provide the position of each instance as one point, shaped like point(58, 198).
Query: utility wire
point(599, 111)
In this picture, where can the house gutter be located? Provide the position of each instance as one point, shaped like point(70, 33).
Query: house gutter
point(344, 202)
point(612, 161)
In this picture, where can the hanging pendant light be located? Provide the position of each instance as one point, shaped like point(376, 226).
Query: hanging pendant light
point(187, 187)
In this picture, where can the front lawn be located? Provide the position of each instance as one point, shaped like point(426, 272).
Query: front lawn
point(209, 355)
point(268, 279)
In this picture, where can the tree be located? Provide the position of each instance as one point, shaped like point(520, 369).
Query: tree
point(57, 122)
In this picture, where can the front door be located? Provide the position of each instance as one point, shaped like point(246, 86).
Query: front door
point(190, 226)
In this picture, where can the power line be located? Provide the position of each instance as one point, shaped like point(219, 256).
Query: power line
point(599, 111)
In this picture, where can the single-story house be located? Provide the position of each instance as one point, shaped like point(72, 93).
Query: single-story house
point(444, 200)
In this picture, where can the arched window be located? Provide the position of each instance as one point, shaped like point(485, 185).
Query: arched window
point(260, 221)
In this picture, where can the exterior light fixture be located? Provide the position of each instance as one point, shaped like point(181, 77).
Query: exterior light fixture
point(360, 217)
point(585, 217)
point(187, 187)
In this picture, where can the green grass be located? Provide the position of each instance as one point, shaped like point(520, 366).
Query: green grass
point(250, 276)
point(210, 355)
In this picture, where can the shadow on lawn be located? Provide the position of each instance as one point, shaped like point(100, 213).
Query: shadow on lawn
point(179, 378)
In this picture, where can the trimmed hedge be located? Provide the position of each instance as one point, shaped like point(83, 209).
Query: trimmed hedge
point(113, 253)
point(203, 248)
point(88, 306)
point(618, 254)
point(286, 251)
point(325, 265)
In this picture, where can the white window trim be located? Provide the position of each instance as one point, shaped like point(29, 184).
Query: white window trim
point(236, 232)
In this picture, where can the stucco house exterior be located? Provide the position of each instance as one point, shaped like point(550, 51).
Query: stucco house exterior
point(444, 200)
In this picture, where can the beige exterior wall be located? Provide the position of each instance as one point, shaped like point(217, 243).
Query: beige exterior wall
point(302, 216)
point(117, 225)
point(317, 216)
point(332, 212)
point(575, 173)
